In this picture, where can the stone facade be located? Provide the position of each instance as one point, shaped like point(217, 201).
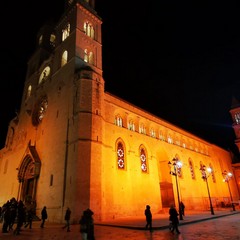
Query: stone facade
point(74, 145)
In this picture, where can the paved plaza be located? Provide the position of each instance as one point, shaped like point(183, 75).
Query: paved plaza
point(222, 225)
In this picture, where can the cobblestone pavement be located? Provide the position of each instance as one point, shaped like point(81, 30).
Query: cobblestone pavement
point(221, 226)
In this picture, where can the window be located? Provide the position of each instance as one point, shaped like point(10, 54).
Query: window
point(88, 56)
point(120, 156)
point(118, 121)
point(142, 129)
point(143, 160)
point(191, 169)
point(29, 91)
point(237, 117)
point(152, 133)
point(88, 29)
point(169, 139)
point(66, 32)
point(131, 125)
point(64, 58)
point(52, 40)
point(40, 40)
point(51, 179)
point(212, 173)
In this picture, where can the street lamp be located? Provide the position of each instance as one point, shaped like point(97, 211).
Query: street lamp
point(227, 177)
point(176, 168)
point(206, 172)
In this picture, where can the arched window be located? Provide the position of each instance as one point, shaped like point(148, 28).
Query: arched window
point(169, 138)
point(52, 40)
point(118, 121)
point(66, 32)
point(143, 160)
point(131, 125)
point(29, 92)
point(212, 173)
point(64, 58)
point(179, 165)
point(88, 29)
point(91, 58)
point(142, 129)
point(88, 56)
point(120, 156)
point(152, 133)
point(191, 169)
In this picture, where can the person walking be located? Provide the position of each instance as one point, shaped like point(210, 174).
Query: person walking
point(84, 225)
point(148, 215)
point(21, 216)
point(67, 219)
point(90, 224)
point(44, 216)
point(173, 217)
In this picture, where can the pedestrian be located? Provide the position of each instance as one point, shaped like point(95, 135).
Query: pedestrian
point(90, 225)
point(44, 216)
point(148, 215)
point(67, 219)
point(173, 217)
point(182, 208)
point(84, 225)
point(21, 216)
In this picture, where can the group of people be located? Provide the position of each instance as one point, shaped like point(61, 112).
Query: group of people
point(22, 214)
point(16, 211)
point(86, 222)
point(173, 217)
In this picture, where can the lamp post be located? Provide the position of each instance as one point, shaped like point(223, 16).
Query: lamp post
point(176, 166)
point(204, 170)
point(227, 177)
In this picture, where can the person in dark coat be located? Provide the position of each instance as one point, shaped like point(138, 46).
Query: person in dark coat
point(90, 225)
point(21, 216)
point(6, 216)
point(173, 217)
point(67, 219)
point(44, 216)
point(84, 225)
point(182, 208)
point(148, 215)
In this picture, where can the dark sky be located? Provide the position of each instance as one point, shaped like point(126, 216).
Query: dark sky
point(178, 60)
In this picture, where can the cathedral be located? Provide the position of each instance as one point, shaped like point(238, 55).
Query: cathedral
point(74, 145)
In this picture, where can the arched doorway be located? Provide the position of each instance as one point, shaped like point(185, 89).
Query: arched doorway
point(28, 174)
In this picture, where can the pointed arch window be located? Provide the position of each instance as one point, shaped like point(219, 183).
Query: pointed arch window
point(120, 156)
point(64, 58)
point(143, 160)
point(191, 169)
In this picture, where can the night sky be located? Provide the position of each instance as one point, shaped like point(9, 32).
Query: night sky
point(177, 60)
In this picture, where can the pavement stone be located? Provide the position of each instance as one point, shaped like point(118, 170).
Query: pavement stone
point(119, 229)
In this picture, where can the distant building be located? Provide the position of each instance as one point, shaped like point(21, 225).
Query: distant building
point(73, 144)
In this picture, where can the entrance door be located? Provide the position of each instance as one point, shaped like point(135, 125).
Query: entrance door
point(166, 194)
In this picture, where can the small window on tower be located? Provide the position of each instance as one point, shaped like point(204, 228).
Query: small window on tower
point(40, 40)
